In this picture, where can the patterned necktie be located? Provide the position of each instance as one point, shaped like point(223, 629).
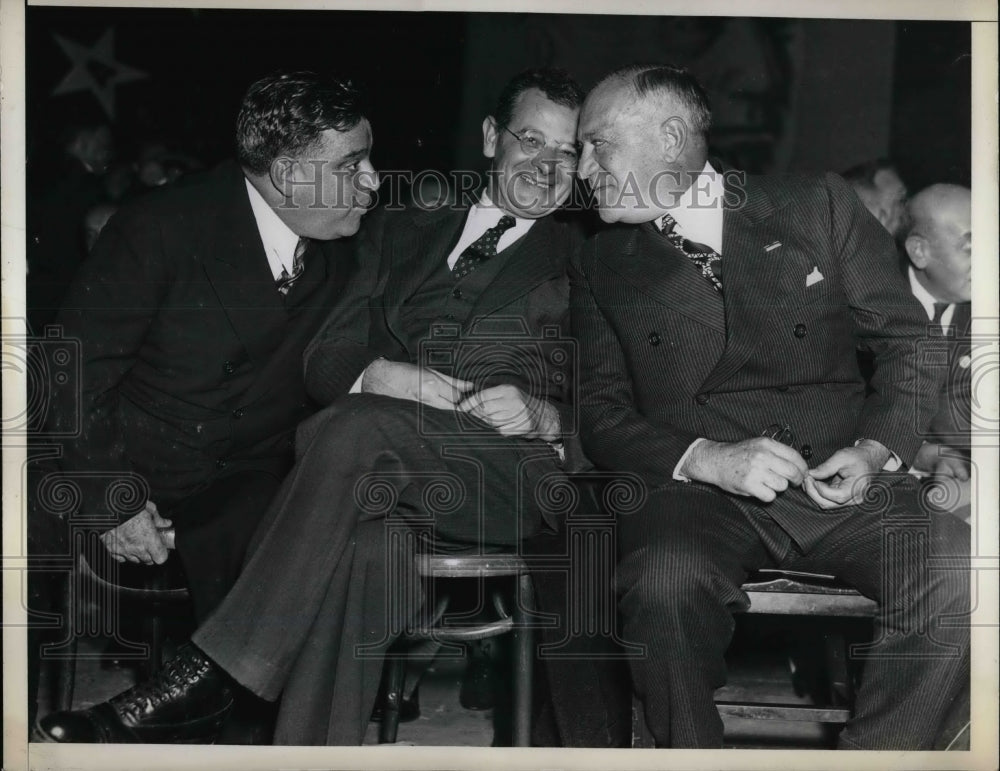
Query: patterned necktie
point(480, 250)
point(701, 255)
point(284, 281)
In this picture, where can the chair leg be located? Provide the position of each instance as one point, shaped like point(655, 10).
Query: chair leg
point(395, 675)
point(523, 660)
point(67, 665)
point(841, 691)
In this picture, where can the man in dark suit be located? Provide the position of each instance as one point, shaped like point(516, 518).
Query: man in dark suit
point(448, 378)
point(722, 307)
point(192, 314)
point(938, 243)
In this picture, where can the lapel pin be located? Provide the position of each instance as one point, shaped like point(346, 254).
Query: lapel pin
point(772, 246)
point(815, 277)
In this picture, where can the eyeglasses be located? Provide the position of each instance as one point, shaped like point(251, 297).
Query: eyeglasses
point(780, 433)
point(533, 142)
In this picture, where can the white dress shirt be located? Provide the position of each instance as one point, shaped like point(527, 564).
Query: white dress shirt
point(278, 239)
point(483, 216)
point(698, 212)
point(927, 300)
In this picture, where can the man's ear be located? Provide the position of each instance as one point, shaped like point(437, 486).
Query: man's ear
point(490, 130)
point(673, 137)
point(916, 250)
point(282, 175)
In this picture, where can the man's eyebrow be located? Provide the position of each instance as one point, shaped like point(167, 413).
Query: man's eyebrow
point(354, 155)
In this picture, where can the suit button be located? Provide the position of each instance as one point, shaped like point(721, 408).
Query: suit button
point(221, 463)
point(654, 338)
point(229, 368)
point(807, 451)
point(782, 389)
point(456, 293)
point(701, 398)
point(239, 412)
point(800, 330)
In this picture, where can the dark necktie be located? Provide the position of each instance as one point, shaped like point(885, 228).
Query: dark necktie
point(482, 249)
point(936, 326)
point(705, 258)
point(284, 281)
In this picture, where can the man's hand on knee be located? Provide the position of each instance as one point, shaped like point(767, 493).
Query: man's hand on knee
point(139, 539)
point(512, 412)
point(402, 380)
point(760, 468)
point(841, 480)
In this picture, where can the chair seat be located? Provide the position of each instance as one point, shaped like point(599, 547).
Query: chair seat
point(470, 566)
point(792, 593)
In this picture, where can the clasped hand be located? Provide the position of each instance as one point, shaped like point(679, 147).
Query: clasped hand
point(141, 538)
point(506, 408)
point(763, 468)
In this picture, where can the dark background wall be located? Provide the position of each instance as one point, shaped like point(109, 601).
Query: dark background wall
point(788, 94)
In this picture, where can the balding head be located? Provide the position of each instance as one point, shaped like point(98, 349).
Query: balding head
point(643, 130)
point(938, 239)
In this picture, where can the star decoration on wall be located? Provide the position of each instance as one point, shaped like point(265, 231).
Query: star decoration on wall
point(96, 70)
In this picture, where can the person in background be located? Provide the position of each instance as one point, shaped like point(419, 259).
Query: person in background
point(937, 237)
point(881, 190)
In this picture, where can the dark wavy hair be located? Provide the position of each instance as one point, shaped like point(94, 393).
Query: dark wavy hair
point(285, 112)
point(556, 84)
point(675, 81)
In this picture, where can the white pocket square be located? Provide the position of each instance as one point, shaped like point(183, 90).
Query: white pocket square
point(815, 277)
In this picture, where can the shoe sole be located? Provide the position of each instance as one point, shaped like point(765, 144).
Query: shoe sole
point(207, 729)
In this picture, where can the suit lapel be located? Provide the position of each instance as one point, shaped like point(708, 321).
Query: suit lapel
point(237, 268)
point(654, 267)
point(414, 254)
point(527, 263)
point(751, 269)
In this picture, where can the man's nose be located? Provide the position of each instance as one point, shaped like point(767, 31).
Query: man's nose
point(587, 166)
point(367, 177)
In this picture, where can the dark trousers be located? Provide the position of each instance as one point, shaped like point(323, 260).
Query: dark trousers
point(688, 550)
point(213, 530)
point(330, 579)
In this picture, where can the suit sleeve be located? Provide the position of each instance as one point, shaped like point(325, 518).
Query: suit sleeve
point(889, 324)
point(615, 435)
point(110, 305)
point(341, 349)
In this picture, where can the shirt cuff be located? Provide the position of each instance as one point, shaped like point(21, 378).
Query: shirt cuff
point(680, 464)
point(894, 463)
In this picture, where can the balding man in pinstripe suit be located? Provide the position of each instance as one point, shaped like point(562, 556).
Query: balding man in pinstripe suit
point(718, 322)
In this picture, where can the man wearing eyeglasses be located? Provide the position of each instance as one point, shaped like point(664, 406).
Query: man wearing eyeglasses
point(718, 323)
point(448, 373)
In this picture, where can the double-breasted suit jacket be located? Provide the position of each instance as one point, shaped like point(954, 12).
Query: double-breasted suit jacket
point(666, 360)
point(191, 379)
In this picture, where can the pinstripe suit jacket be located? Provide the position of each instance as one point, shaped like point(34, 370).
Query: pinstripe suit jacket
point(665, 360)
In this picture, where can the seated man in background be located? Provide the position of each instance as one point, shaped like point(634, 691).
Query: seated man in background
point(450, 343)
point(937, 237)
point(718, 323)
point(881, 190)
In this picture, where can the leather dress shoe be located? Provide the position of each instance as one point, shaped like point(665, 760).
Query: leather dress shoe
point(186, 702)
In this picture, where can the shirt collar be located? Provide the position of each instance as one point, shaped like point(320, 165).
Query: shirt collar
point(927, 300)
point(279, 240)
point(699, 210)
point(482, 216)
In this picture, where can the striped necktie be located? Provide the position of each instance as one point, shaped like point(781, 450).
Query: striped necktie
point(284, 281)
